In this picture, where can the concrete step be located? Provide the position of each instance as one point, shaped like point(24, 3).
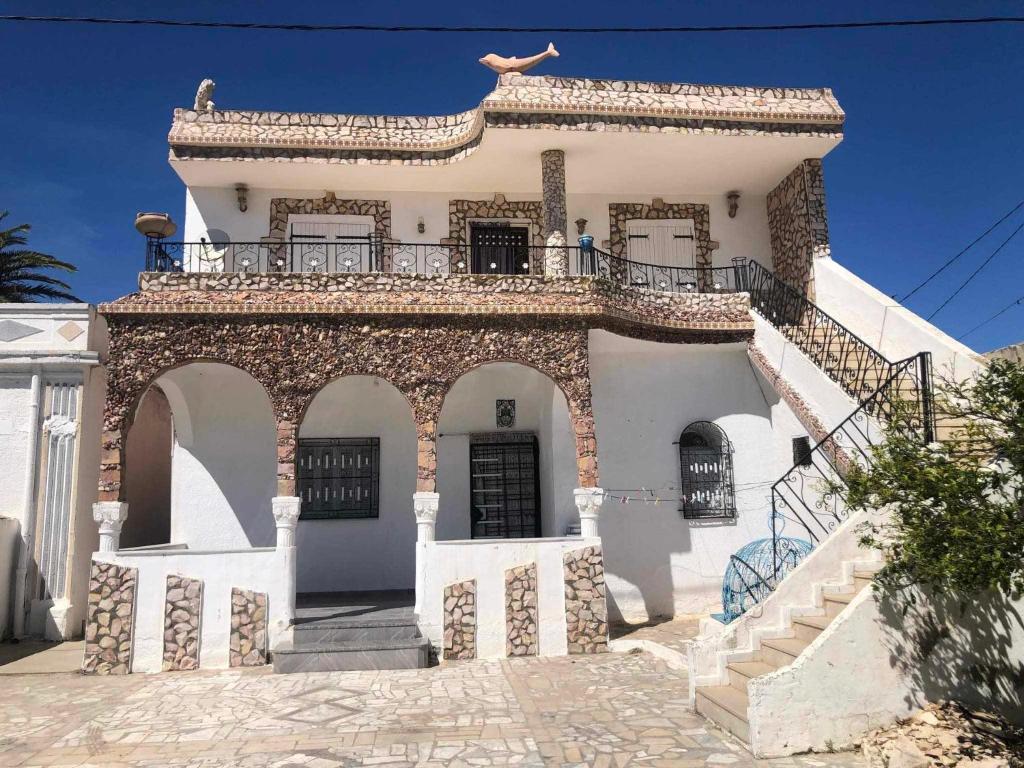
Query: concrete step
point(862, 579)
point(835, 603)
point(342, 630)
point(411, 653)
point(725, 706)
point(741, 672)
point(781, 651)
point(809, 627)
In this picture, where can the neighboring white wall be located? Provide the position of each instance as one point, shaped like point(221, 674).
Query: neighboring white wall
point(217, 208)
point(372, 553)
point(10, 536)
point(645, 394)
point(885, 324)
point(469, 408)
point(15, 396)
point(225, 474)
point(486, 561)
point(261, 570)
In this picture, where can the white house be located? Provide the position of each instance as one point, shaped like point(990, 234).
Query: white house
point(484, 382)
point(51, 403)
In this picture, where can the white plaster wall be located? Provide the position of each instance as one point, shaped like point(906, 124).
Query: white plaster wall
point(10, 539)
point(885, 324)
point(645, 394)
point(217, 208)
point(15, 398)
point(486, 561)
point(224, 463)
point(148, 491)
point(469, 408)
point(368, 554)
point(261, 570)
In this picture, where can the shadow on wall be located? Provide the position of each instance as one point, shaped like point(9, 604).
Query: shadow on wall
point(971, 651)
point(148, 479)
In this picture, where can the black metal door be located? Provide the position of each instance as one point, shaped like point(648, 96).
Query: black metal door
point(499, 249)
point(504, 489)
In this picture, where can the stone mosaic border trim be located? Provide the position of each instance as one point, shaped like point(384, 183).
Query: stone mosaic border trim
point(521, 627)
point(798, 225)
point(586, 607)
point(282, 207)
point(557, 99)
point(460, 620)
point(659, 210)
point(806, 415)
point(183, 609)
point(248, 639)
point(462, 212)
point(110, 619)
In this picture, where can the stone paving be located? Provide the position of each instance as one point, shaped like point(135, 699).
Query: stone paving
point(608, 710)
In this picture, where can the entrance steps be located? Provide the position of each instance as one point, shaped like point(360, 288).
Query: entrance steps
point(727, 704)
point(345, 631)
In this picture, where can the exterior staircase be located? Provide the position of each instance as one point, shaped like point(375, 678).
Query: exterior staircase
point(779, 647)
point(353, 631)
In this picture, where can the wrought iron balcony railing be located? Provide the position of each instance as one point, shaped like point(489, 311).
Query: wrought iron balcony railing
point(372, 255)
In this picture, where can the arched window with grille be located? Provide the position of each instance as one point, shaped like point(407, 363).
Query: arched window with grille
point(707, 488)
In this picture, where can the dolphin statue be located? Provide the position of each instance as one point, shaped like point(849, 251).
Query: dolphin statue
point(503, 65)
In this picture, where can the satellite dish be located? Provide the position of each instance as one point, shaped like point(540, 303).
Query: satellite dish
point(213, 247)
point(217, 237)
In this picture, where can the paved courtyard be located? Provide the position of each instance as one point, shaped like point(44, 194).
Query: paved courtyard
point(608, 710)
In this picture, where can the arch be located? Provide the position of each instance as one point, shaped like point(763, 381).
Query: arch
point(542, 442)
point(222, 473)
point(357, 450)
point(707, 488)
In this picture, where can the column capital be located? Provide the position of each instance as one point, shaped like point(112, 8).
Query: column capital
point(111, 516)
point(588, 504)
point(425, 505)
point(286, 517)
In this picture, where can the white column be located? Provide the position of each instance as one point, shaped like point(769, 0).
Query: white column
point(111, 516)
point(286, 517)
point(588, 503)
point(424, 505)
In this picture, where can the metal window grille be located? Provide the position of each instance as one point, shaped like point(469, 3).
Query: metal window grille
point(505, 486)
point(707, 487)
point(339, 478)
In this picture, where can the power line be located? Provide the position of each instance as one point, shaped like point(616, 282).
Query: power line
point(1002, 311)
point(565, 30)
point(974, 274)
point(974, 242)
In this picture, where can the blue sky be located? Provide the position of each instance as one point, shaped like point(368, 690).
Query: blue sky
point(933, 151)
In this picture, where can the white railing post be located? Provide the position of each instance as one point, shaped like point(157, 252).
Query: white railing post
point(424, 505)
point(588, 503)
point(286, 518)
point(111, 516)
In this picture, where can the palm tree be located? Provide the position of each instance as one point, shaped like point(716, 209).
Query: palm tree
point(21, 278)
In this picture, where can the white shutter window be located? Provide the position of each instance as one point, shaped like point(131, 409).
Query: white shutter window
point(665, 242)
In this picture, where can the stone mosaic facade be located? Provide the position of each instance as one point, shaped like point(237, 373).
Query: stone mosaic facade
point(462, 212)
point(798, 225)
point(556, 257)
point(282, 207)
point(182, 619)
point(109, 619)
point(557, 103)
point(658, 209)
point(586, 608)
point(460, 621)
point(248, 639)
point(521, 637)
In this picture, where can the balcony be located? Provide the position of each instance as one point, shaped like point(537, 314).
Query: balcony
point(370, 256)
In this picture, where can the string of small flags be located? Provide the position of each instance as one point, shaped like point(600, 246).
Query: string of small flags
point(654, 496)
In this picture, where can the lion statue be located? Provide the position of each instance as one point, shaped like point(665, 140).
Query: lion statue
point(203, 101)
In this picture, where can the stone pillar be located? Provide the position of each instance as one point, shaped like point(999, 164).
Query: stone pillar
point(286, 517)
point(111, 516)
point(588, 503)
point(424, 505)
point(287, 439)
point(556, 256)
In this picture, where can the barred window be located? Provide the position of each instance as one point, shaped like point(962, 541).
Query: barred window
point(707, 488)
point(339, 478)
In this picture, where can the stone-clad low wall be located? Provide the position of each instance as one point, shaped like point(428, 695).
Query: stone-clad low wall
point(521, 610)
point(109, 620)
point(460, 620)
point(586, 609)
point(182, 615)
point(248, 643)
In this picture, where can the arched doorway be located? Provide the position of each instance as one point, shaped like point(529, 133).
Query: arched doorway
point(222, 461)
point(506, 456)
point(356, 474)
